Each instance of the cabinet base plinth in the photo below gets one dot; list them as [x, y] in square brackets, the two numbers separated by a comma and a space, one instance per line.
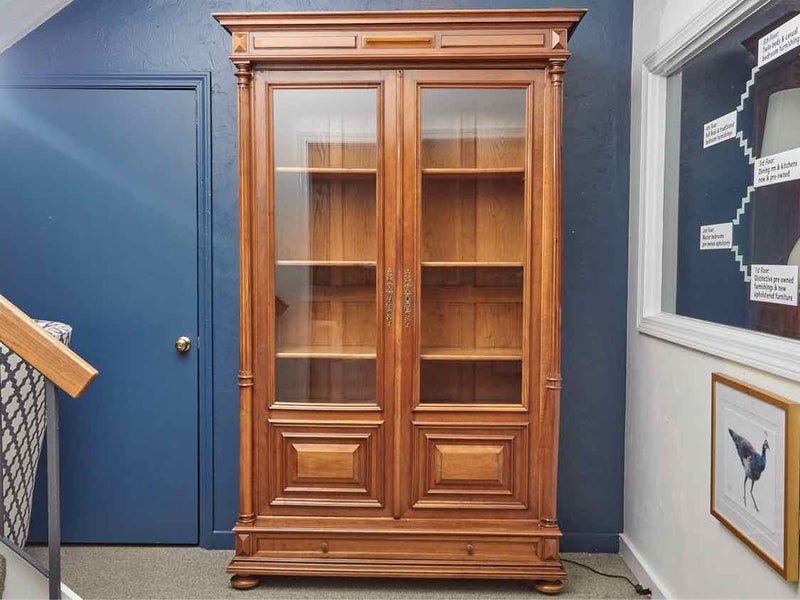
[406, 571]
[244, 582]
[402, 549]
[545, 577]
[549, 587]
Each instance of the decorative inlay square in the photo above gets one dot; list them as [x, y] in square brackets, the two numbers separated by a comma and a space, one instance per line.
[240, 42]
[559, 39]
[243, 544]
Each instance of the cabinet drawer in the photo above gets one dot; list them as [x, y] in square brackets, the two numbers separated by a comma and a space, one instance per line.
[514, 550]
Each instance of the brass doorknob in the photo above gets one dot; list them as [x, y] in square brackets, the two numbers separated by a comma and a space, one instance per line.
[182, 344]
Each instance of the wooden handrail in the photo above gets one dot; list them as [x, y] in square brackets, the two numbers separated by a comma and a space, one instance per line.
[42, 351]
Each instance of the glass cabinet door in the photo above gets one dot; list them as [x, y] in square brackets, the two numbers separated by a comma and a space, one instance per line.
[326, 180]
[472, 252]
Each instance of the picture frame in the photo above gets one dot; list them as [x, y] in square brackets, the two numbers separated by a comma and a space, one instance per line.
[755, 470]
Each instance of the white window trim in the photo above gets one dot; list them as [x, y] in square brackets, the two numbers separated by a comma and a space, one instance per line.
[770, 353]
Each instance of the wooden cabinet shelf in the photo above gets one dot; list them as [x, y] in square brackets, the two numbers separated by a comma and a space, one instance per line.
[467, 354]
[355, 172]
[400, 293]
[472, 219]
[325, 263]
[330, 219]
[433, 264]
[467, 172]
[346, 353]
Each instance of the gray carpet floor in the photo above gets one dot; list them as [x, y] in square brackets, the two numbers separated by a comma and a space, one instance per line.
[184, 572]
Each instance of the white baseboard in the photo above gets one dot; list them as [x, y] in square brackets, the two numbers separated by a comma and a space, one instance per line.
[24, 581]
[642, 569]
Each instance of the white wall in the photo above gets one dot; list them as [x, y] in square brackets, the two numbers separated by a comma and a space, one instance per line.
[667, 454]
[24, 582]
[19, 17]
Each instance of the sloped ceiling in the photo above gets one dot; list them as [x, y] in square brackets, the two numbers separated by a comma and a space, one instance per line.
[19, 17]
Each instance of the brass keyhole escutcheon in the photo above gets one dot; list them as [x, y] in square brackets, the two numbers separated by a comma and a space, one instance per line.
[470, 549]
[324, 547]
[182, 344]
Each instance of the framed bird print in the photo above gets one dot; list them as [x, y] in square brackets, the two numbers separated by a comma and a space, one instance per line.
[755, 470]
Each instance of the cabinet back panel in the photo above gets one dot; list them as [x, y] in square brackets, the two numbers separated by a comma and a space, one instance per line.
[473, 219]
[330, 307]
[472, 308]
[353, 155]
[471, 382]
[321, 380]
[325, 127]
[473, 127]
[320, 218]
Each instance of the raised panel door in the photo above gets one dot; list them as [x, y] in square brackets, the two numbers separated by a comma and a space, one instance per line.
[472, 190]
[324, 301]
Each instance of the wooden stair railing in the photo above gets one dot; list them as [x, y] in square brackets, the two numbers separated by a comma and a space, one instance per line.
[44, 353]
[61, 368]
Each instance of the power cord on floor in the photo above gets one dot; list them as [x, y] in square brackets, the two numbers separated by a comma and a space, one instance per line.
[642, 591]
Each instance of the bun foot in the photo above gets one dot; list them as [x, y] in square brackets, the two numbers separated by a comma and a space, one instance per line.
[549, 587]
[244, 582]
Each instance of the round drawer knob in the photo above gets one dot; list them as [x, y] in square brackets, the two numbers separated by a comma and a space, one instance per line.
[324, 547]
[470, 549]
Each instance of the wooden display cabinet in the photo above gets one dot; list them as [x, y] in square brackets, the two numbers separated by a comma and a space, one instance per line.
[400, 197]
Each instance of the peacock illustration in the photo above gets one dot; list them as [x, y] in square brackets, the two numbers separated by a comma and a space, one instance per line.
[753, 463]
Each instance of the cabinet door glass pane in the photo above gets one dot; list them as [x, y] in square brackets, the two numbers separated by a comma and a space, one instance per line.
[325, 182]
[473, 164]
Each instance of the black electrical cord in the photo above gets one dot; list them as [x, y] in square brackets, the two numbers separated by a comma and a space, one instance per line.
[642, 591]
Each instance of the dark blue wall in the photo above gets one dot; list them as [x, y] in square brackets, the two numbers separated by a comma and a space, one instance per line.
[149, 36]
[712, 183]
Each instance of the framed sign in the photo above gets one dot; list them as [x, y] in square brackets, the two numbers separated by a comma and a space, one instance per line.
[755, 470]
[718, 196]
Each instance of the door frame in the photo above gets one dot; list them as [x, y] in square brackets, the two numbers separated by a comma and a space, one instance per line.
[200, 84]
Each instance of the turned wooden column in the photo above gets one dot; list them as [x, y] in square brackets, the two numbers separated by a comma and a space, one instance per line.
[244, 76]
[551, 295]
